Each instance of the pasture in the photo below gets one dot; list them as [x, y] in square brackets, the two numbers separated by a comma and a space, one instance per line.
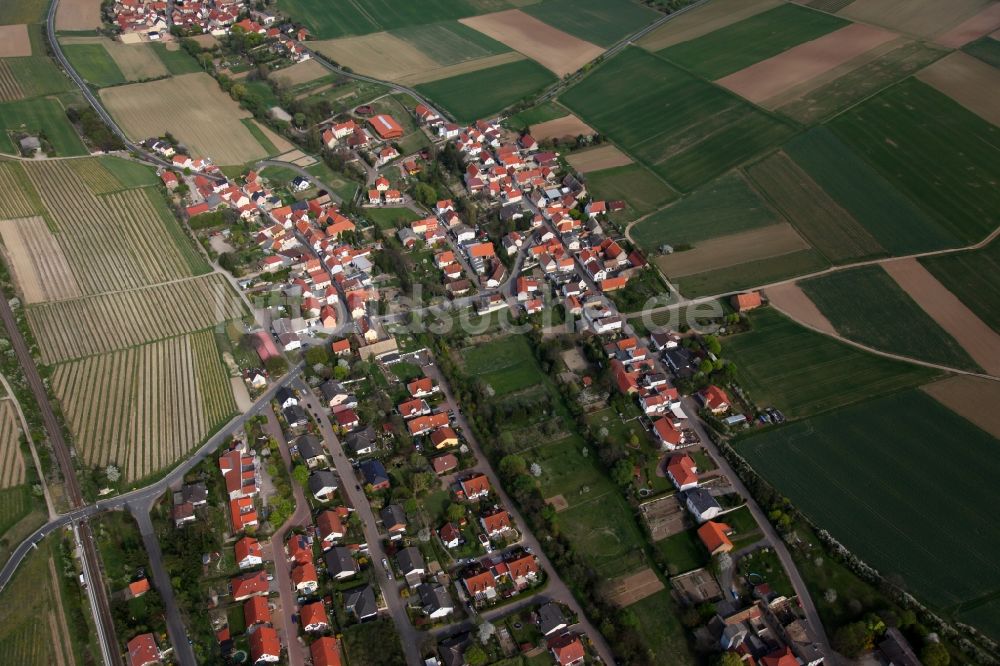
[725, 206]
[639, 187]
[941, 155]
[192, 108]
[751, 274]
[505, 364]
[968, 81]
[971, 276]
[601, 22]
[895, 222]
[143, 408]
[866, 305]
[38, 75]
[828, 227]
[804, 373]
[483, 93]
[756, 38]
[40, 115]
[94, 64]
[846, 85]
[151, 247]
[685, 129]
[390, 218]
[106, 322]
[12, 472]
[881, 477]
[23, 11]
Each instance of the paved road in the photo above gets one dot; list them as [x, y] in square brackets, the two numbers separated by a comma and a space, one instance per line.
[409, 636]
[556, 588]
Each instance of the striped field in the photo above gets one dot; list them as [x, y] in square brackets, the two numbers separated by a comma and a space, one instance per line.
[144, 408]
[10, 89]
[17, 197]
[11, 460]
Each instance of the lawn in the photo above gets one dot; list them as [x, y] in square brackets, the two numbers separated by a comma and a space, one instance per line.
[390, 218]
[657, 623]
[764, 566]
[480, 94]
[505, 364]
[752, 274]
[373, 643]
[804, 373]
[178, 61]
[640, 188]
[745, 528]
[406, 372]
[601, 22]
[971, 276]
[94, 63]
[751, 40]
[278, 175]
[986, 49]
[567, 472]
[896, 223]
[866, 305]
[44, 114]
[684, 128]
[605, 534]
[902, 482]
[683, 551]
[941, 155]
[725, 206]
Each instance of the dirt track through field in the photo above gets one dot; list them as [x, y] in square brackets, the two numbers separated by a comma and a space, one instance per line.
[14, 42]
[561, 127]
[969, 81]
[791, 300]
[707, 18]
[78, 14]
[596, 159]
[973, 398]
[769, 78]
[972, 29]
[629, 589]
[979, 340]
[733, 249]
[554, 49]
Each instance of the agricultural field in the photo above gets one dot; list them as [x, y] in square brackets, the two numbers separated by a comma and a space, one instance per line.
[707, 18]
[972, 398]
[896, 223]
[143, 408]
[39, 115]
[601, 22]
[866, 305]
[107, 322]
[151, 247]
[12, 470]
[734, 250]
[751, 274]
[119, 62]
[506, 364]
[725, 206]
[707, 132]
[828, 227]
[78, 15]
[176, 60]
[35, 76]
[756, 38]
[193, 109]
[572, 127]
[14, 41]
[10, 89]
[24, 11]
[804, 373]
[986, 49]
[857, 80]
[944, 157]
[17, 197]
[479, 94]
[604, 157]
[968, 81]
[881, 476]
[971, 276]
[94, 64]
[640, 188]
[451, 42]
[923, 18]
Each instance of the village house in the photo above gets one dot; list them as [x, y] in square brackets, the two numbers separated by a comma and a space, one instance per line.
[374, 474]
[361, 603]
[566, 649]
[264, 646]
[435, 602]
[701, 504]
[304, 578]
[313, 618]
[340, 563]
[324, 652]
[394, 520]
[715, 536]
[474, 487]
[142, 650]
[256, 612]
[248, 585]
[496, 523]
[249, 553]
[715, 400]
[450, 536]
[330, 528]
[682, 471]
[322, 484]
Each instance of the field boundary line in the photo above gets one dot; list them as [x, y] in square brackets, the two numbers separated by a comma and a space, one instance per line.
[31, 446]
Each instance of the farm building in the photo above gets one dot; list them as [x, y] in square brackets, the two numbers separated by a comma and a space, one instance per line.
[386, 127]
[746, 302]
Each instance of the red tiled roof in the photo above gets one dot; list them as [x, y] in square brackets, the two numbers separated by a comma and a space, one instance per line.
[314, 613]
[263, 642]
[256, 611]
[142, 650]
[324, 652]
[713, 535]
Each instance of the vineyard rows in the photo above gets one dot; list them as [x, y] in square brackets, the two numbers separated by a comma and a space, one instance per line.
[119, 241]
[15, 200]
[98, 179]
[33, 631]
[145, 408]
[104, 323]
[37, 261]
[10, 89]
[11, 460]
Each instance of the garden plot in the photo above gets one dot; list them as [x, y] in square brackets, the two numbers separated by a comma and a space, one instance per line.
[664, 517]
[627, 590]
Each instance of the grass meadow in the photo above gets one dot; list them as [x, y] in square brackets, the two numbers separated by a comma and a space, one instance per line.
[635, 184]
[866, 305]
[178, 61]
[45, 115]
[485, 92]
[901, 481]
[804, 373]
[506, 364]
[94, 63]
[971, 276]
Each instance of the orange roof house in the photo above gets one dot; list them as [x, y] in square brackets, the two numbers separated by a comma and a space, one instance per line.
[475, 486]
[483, 250]
[566, 649]
[445, 463]
[256, 611]
[524, 567]
[324, 652]
[419, 388]
[782, 657]
[496, 523]
[142, 651]
[748, 301]
[386, 127]
[682, 471]
[444, 437]
[248, 585]
[138, 588]
[715, 399]
[715, 536]
[264, 645]
[667, 433]
[312, 617]
[478, 584]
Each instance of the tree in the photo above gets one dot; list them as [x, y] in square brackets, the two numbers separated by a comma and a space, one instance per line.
[318, 355]
[455, 512]
[727, 659]
[621, 473]
[935, 654]
[476, 656]
[852, 640]
[301, 475]
[513, 465]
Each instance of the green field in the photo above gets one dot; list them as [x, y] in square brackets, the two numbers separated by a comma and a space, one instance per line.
[130, 174]
[866, 305]
[601, 22]
[752, 273]
[984, 615]
[43, 114]
[450, 42]
[22, 11]
[725, 206]
[506, 364]
[751, 40]
[390, 218]
[177, 62]
[901, 481]
[327, 19]
[15, 504]
[944, 157]
[804, 373]
[342, 186]
[259, 135]
[643, 190]
[38, 75]
[535, 115]
[685, 129]
[972, 277]
[94, 63]
[683, 551]
[480, 94]
[828, 99]
[656, 622]
[986, 49]
[896, 223]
